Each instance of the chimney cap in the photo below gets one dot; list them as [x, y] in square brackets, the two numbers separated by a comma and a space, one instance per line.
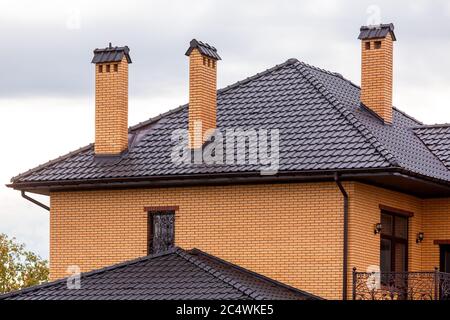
[111, 54]
[377, 31]
[204, 48]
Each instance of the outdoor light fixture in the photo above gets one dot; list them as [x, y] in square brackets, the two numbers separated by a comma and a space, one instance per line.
[377, 228]
[419, 238]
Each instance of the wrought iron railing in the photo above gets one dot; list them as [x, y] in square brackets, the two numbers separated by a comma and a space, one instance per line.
[418, 285]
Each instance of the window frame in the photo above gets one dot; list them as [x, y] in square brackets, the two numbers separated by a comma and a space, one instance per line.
[150, 225]
[394, 240]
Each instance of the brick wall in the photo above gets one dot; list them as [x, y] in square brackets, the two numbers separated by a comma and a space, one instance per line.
[202, 96]
[289, 232]
[376, 76]
[111, 107]
[364, 213]
[436, 226]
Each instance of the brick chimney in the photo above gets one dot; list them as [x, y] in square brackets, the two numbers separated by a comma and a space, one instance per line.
[202, 91]
[377, 44]
[111, 100]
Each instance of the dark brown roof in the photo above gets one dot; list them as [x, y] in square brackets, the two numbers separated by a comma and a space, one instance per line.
[111, 54]
[173, 275]
[204, 49]
[437, 139]
[376, 32]
[323, 128]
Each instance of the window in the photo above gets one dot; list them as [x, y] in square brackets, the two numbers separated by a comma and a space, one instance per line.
[161, 227]
[377, 44]
[394, 243]
[108, 68]
[116, 67]
[100, 68]
[367, 45]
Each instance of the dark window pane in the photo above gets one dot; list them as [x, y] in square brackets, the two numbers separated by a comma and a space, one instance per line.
[446, 262]
[401, 227]
[386, 224]
[385, 257]
[163, 232]
[400, 257]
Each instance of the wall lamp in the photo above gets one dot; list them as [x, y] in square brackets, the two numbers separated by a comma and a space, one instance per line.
[420, 237]
[377, 228]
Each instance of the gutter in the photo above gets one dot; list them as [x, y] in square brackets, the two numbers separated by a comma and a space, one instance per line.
[40, 204]
[195, 179]
[345, 231]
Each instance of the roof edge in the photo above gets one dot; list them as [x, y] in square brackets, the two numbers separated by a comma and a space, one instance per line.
[89, 273]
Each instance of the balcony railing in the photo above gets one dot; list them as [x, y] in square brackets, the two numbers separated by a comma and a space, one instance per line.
[419, 285]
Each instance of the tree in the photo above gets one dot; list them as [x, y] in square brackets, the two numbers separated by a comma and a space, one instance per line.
[19, 268]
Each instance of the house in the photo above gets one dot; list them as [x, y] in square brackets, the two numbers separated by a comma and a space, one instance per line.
[349, 180]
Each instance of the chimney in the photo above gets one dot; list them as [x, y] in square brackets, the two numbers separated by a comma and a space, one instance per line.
[111, 100]
[377, 44]
[202, 91]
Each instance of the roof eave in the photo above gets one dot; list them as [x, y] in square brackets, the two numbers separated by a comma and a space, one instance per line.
[194, 179]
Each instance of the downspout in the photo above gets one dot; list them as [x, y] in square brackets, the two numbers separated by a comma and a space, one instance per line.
[345, 246]
[40, 204]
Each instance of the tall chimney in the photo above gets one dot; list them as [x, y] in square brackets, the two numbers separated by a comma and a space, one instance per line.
[377, 44]
[202, 91]
[111, 100]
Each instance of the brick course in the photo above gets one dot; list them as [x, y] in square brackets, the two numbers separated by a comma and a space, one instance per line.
[111, 108]
[289, 232]
[202, 96]
[277, 230]
[377, 76]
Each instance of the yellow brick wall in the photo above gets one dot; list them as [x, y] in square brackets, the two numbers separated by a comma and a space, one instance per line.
[436, 226]
[364, 213]
[289, 232]
[376, 77]
[202, 95]
[111, 108]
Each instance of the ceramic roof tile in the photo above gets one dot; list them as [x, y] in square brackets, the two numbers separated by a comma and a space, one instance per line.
[173, 275]
[322, 126]
[437, 139]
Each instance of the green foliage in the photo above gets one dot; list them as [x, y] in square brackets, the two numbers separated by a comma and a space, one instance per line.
[19, 268]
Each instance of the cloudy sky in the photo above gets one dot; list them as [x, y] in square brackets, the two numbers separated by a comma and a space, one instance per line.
[47, 81]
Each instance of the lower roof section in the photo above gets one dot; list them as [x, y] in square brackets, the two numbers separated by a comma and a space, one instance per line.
[176, 274]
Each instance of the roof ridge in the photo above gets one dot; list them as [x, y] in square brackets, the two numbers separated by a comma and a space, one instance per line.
[252, 273]
[328, 72]
[347, 114]
[340, 76]
[90, 273]
[407, 115]
[151, 120]
[258, 75]
[417, 134]
[432, 126]
[194, 260]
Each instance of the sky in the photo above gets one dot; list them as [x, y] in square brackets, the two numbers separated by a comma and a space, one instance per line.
[47, 80]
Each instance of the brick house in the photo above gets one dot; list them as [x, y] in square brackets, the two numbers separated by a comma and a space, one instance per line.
[359, 183]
